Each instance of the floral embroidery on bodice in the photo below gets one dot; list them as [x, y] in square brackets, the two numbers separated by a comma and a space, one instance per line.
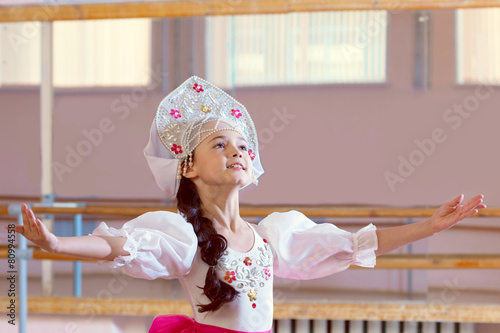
[248, 272]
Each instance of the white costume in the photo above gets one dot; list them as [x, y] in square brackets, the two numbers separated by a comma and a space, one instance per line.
[163, 245]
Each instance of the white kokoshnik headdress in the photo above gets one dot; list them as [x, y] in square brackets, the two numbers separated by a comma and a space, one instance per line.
[187, 116]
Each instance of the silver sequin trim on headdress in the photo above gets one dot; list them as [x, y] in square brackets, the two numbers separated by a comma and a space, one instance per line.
[187, 116]
[183, 117]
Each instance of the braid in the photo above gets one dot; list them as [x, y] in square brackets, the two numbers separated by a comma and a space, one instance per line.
[211, 243]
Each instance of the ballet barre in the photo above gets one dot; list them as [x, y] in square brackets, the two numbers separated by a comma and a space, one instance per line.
[316, 211]
[386, 261]
[185, 8]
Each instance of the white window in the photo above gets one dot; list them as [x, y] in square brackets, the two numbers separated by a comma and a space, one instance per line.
[478, 46]
[297, 48]
[98, 53]
[20, 53]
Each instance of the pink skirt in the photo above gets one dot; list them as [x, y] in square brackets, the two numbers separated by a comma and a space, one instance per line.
[184, 324]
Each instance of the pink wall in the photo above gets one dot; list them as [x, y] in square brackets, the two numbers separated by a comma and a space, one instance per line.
[334, 148]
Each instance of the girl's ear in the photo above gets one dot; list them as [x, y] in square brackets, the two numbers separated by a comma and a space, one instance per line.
[190, 171]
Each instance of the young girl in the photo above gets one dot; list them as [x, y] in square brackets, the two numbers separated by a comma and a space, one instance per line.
[203, 149]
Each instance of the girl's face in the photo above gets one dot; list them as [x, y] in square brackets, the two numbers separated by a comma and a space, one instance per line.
[222, 159]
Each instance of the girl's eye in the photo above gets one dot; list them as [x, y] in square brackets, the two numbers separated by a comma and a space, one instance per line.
[244, 148]
[219, 145]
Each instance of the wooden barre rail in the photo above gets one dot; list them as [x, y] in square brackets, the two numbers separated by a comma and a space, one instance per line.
[40, 254]
[388, 261]
[260, 211]
[433, 312]
[90, 11]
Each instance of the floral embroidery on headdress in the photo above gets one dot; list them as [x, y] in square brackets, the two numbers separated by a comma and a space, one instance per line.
[198, 87]
[176, 149]
[175, 113]
[185, 117]
[205, 109]
[251, 154]
[237, 113]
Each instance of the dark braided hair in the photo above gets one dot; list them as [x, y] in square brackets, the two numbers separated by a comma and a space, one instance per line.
[211, 243]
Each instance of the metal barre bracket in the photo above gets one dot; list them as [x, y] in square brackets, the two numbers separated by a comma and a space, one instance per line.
[14, 209]
[24, 253]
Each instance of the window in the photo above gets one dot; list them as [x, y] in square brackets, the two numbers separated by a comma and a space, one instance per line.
[478, 46]
[20, 52]
[297, 48]
[98, 53]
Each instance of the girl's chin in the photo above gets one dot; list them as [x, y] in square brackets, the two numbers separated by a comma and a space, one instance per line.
[238, 182]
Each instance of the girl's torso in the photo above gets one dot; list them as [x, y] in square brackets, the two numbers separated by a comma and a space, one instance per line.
[250, 273]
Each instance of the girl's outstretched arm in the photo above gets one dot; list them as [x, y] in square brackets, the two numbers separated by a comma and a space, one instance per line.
[90, 247]
[445, 217]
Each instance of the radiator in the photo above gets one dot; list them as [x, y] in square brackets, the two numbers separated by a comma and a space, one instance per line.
[359, 326]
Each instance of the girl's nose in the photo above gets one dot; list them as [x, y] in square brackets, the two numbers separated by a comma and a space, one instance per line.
[234, 149]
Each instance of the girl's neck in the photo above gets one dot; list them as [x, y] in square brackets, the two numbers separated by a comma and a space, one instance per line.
[222, 208]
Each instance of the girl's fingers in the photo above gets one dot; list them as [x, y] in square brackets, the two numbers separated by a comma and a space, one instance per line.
[474, 202]
[25, 217]
[466, 215]
[472, 212]
[33, 221]
[20, 229]
[472, 206]
[30, 225]
[28, 222]
[457, 200]
[39, 226]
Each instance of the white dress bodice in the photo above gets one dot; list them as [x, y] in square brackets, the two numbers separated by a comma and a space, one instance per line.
[163, 245]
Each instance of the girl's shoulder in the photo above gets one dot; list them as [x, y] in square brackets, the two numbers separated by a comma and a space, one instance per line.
[285, 217]
[160, 220]
[163, 214]
[286, 222]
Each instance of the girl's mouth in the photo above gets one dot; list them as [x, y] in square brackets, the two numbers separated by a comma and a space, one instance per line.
[236, 166]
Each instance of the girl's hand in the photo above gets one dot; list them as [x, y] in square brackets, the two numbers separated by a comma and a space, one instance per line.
[453, 212]
[34, 230]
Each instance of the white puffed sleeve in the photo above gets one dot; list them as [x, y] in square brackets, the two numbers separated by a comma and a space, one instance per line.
[161, 244]
[305, 250]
